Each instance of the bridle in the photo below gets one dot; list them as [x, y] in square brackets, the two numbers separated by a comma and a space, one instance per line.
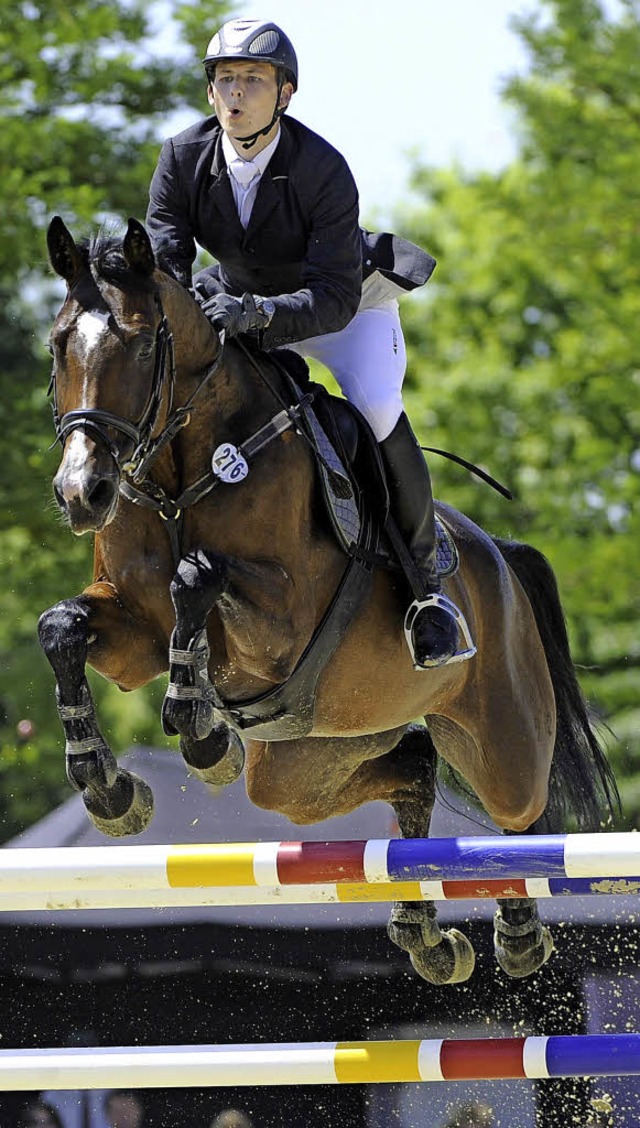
[145, 446]
[138, 489]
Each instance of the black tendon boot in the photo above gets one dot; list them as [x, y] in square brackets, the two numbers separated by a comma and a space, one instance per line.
[431, 629]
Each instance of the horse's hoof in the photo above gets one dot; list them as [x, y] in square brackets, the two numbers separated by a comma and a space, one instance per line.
[125, 808]
[521, 955]
[194, 718]
[452, 960]
[204, 760]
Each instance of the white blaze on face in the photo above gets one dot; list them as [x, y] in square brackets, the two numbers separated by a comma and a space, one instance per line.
[76, 467]
[91, 327]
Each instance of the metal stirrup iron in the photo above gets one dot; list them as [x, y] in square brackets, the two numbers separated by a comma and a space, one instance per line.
[437, 599]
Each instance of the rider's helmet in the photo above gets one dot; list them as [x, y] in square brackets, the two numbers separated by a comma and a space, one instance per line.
[260, 40]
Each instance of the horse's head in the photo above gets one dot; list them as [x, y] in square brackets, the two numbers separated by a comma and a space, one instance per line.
[111, 367]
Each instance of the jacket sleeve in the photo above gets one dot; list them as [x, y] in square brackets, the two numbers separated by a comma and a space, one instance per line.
[168, 217]
[332, 268]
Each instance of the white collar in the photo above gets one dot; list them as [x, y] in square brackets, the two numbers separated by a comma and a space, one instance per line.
[261, 159]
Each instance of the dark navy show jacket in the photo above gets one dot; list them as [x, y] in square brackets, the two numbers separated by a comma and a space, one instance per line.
[303, 246]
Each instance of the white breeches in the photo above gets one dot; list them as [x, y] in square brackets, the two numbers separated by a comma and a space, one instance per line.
[368, 360]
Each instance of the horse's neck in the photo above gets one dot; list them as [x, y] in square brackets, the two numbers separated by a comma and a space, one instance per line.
[232, 398]
[195, 341]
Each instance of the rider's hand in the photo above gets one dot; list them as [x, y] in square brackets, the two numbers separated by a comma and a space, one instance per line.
[235, 315]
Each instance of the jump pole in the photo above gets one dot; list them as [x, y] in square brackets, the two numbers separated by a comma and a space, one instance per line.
[84, 897]
[320, 1063]
[273, 864]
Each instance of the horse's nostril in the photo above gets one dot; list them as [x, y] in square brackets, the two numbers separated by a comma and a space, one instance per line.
[59, 497]
[101, 495]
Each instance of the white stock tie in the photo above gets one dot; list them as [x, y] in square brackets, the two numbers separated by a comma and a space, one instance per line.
[243, 171]
[246, 177]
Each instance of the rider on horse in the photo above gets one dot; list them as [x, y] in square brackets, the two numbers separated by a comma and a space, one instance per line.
[277, 207]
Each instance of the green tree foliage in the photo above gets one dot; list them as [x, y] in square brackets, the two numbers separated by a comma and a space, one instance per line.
[85, 94]
[527, 343]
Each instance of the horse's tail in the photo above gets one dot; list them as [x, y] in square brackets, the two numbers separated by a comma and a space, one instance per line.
[582, 785]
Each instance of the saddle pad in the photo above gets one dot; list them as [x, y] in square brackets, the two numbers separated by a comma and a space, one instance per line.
[447, 559]
[343, 510]
[342, 507]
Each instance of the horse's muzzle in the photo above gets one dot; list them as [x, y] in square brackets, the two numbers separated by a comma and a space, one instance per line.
[88, 500]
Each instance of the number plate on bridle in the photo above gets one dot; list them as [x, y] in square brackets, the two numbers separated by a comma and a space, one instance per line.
[229, 464]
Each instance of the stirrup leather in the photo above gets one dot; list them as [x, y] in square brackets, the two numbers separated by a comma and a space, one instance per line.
[437, 599]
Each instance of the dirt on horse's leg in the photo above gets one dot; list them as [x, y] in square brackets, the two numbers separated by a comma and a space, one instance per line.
[439, 957]
[118, 802]
[521, 941]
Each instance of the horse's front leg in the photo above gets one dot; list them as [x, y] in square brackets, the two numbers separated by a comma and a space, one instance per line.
[117, 801]
[189, 705]
[245, 596]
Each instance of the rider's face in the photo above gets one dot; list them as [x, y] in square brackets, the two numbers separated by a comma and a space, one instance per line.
[243, 95]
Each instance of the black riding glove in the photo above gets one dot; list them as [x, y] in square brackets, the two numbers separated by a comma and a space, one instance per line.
[235, 315]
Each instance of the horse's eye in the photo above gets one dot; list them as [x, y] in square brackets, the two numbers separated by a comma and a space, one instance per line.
[145, 351]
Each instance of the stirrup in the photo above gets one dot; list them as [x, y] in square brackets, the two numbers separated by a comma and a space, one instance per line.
[437, 599]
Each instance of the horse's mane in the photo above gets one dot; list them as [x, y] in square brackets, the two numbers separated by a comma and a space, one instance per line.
[103, 256]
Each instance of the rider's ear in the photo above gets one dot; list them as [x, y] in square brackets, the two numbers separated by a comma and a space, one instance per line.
[137, 248]
[285, 96]
[64, 256]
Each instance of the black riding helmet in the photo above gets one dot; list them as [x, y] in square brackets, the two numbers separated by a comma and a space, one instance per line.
[254, 40]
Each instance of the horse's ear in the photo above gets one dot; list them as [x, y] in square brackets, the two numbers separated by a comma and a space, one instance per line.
[137, 248]
[64, 256]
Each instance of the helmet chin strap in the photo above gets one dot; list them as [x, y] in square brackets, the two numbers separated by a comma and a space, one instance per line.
[249, 141]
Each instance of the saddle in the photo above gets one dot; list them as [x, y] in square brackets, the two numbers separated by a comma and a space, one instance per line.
[351, 473]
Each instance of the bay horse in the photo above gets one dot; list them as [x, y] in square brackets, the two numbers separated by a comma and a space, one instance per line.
[226, 587]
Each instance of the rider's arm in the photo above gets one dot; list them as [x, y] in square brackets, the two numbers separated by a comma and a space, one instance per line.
[168, 220]
[332, 268]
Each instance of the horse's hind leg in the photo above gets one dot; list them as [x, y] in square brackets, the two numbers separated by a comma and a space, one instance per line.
[320, 777]
[439, 957]
[117, 801]
[521, 941]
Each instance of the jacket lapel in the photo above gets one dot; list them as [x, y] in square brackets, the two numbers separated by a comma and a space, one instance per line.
[221, 192]
[269, 194]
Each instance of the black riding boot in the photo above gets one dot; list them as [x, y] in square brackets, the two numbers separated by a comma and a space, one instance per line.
[434, 628]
